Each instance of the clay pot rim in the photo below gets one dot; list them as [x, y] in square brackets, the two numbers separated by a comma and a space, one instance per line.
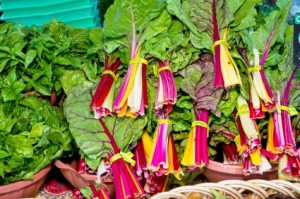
[229, 168]
[25, 183]
[86, 177]
[221, 167]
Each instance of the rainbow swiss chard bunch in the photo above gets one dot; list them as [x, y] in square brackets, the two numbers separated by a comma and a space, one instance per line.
[198, 83]
[125, 22]
[163, 158]
[213, 25]
[126, 183]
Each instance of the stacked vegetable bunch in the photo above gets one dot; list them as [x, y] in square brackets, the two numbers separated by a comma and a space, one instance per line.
[38, 66]
[180, 80]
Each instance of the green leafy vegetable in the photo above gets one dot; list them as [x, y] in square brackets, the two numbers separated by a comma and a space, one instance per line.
[87, 131]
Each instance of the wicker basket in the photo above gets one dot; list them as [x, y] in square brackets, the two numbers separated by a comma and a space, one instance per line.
[234, 189]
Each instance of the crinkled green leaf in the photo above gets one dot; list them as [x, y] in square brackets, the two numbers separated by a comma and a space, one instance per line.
[184, 102]
[192, 76]
[198, 83]
[162, 45]
[117, 21]
[181, 9]
[244, 13]
[275, 22]
[228, 103]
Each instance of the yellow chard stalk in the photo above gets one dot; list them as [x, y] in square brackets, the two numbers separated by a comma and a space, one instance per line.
[229, 68]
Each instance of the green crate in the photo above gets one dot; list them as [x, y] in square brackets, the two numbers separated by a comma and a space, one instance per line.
[70, 15]
[43, 10]
[17, 4]
[88, 22]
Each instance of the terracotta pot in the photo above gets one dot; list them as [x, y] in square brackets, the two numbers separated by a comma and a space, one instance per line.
[25, 188]
[79, 180]
[217, 171]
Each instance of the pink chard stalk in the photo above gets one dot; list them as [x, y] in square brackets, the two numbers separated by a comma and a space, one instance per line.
[196, 151]
[156, 184]
[164, 158]
[159, 156]
[290, 162]
[132, 98]
[141, 165]
[102, 100]
[166, 94]
[125, 181]
[218, 80]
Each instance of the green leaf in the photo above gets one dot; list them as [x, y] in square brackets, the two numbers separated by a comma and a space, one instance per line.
[95, 35]
[30, 55]
[227, 104]
[3, 64]
[37, 130]
[182, 12]
[275, 22]
[31, 102]
[118, 18]
[184, 102]
[3, 154]
[192, 76]
[42, 89]
[70, 79]
[156, 26]
[244, 16]
[2, 169]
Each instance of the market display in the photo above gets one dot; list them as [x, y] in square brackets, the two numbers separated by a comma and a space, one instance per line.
[154, 95]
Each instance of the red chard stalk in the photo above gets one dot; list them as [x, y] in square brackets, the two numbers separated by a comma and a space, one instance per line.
[231, 153]
[102, 99]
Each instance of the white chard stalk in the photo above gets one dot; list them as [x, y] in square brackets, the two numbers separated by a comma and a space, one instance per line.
[257, 80]
[247, 123]
[135, 96]
[254, 97]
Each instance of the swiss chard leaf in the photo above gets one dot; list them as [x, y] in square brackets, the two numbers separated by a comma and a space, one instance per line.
[200, 87]
[89, 134]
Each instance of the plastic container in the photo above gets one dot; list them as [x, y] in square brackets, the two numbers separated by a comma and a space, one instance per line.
[88, 22]
[15, 4]
[70, 15]
[44, 10]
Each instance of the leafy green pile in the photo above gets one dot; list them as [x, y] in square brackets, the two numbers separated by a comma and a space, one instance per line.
[47, 59]
[34, 64]
[32, 134]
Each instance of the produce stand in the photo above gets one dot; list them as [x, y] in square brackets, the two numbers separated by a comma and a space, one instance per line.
[200, 99]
